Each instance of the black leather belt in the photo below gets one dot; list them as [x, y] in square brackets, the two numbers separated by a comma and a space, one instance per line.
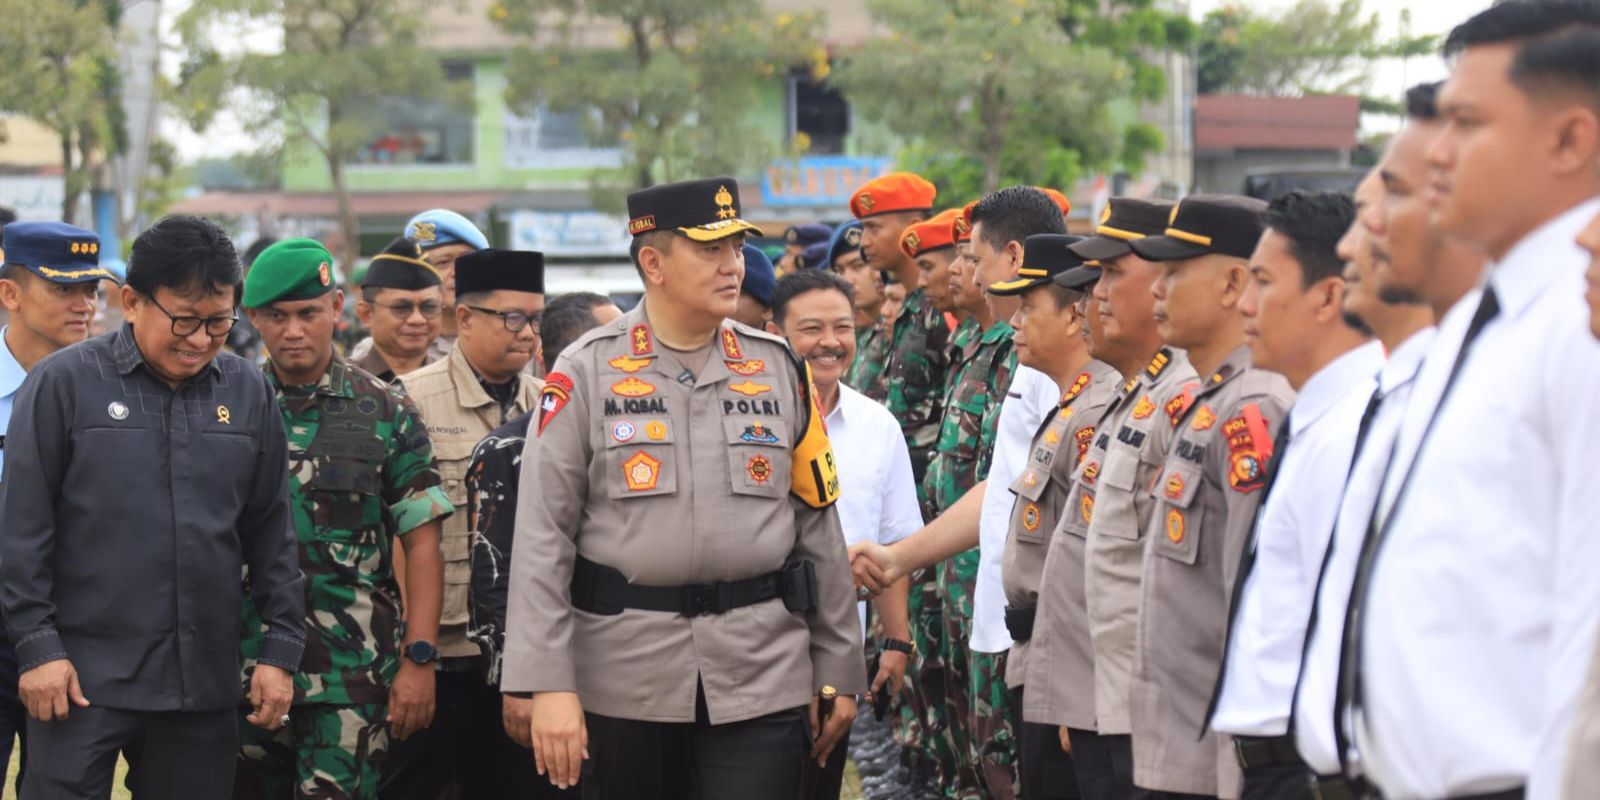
[599, 589]
[1338, 787]
[1019, 622]
[1518, 793]
[1257, 752]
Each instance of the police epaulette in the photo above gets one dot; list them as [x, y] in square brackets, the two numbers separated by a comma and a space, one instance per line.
[1158, 364]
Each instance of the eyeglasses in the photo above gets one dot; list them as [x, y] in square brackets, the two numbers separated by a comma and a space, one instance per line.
[187, 325]
[515, 320]
[430, 310]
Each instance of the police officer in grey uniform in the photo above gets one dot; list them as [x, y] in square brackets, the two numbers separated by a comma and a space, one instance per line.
[680, 590]
[1206, 493]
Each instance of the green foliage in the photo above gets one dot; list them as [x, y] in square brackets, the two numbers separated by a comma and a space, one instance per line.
[61, 72]
[673, 85]
[1022, 88]
[1314, 46]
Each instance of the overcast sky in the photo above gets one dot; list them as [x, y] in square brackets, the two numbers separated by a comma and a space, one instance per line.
[1390, 78]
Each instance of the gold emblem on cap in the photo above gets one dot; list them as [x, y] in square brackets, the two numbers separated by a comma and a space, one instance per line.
[866, 201]
[425, 232]
[324, 274]
[852, 237]
[914, 242]
[963, 227]
[1105, 213]
[724, 201]
[75, 247]
[224, 416]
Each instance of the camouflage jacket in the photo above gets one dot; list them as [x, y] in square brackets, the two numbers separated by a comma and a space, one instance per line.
[359, 480]
[492, 477]
[917, 370]
[978, 384]
[869, 371]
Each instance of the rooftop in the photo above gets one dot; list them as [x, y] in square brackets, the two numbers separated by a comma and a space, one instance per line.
[1240, 122]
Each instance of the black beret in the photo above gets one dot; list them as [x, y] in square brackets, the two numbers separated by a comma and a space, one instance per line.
[490, 270]
[400, 266]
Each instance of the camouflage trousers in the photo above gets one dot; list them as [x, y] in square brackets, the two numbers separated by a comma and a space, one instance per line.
[326, 752]
[977, 704]
[922, 727]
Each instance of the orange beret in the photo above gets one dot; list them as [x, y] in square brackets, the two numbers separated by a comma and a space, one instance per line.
[892, 193]
[1061, 199]
[930, 234]
[961, 227]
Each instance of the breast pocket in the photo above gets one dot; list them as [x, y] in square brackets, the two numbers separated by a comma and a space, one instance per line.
[641, 459]
[759, 460]
[347, 497]
[1027, 516]
[1181, 518]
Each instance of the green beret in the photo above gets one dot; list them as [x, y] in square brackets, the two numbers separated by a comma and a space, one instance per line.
[293, 269]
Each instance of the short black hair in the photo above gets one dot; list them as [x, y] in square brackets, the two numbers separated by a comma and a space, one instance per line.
[1422, 101]
[567, 317]
[1014, 213]
[1555, 42]
[807, 280]
[660, 240]
[1313, 222]
[15, 273]
[187, 254]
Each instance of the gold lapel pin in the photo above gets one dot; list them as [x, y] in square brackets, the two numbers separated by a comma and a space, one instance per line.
[223, 416]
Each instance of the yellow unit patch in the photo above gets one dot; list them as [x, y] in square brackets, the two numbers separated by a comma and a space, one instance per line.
[641, 472]
[1175, 526]
[1030, 518]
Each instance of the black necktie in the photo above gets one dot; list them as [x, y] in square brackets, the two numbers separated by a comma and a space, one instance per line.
[1350, 690]
[1247, 562]
[1373, 404]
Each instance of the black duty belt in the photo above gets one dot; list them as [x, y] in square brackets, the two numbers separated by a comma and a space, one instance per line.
[1518, 793]
[1338, 787]
[1019, 622]
[599, 589]
[1258, 752]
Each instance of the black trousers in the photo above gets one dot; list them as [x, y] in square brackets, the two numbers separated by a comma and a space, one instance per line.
[1120, 748]
[759, 758]
[465, 753]
[1281, 782]
[173, 755]
[1044, 770]
[1097, 775]
[13, 717]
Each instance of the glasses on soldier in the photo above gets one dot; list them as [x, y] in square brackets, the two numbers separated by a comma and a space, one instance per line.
[430, 310]
[187, 325]
[515, 320]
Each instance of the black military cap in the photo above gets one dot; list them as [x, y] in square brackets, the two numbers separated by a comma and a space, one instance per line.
[704, 210]
[400, 266]
[1123, 220]
[1044, 256]
[1079, 278]
[1226, 225]
[490, 270]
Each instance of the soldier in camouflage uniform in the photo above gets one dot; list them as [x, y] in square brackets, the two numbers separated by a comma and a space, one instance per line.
[867, 373]
[361, 474]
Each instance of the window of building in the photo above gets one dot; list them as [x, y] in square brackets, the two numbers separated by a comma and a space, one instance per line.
[819, 116]
[547, 139]
[418, 131]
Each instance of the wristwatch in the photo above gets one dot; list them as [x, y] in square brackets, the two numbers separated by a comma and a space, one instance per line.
[899, 645]
[422, 652]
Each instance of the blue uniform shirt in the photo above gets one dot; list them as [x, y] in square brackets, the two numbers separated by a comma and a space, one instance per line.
[11, 376]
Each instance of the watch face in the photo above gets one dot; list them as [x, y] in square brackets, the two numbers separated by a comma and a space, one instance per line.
[421, 652]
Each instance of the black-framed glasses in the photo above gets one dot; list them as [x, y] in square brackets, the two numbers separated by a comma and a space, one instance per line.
[187, 325]
[429, 309]
[515, 320]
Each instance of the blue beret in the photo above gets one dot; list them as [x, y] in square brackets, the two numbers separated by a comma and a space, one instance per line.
[438, 227]
[55, 251]
[760, 279]
[808, 234]
[814, 256]
[845, 239]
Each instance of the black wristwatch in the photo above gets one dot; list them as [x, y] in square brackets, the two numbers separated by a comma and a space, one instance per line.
[899, 645]
[422, 652]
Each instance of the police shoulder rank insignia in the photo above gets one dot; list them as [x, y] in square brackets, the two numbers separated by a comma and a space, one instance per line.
[758, 434]
[641, 471]
[759, 470]
[633, 387]
[1077, 386]
[750, 388]
[643, 345]
[747, 368]
[628, 364]
[557, 391]
[1204, 419]
[1249, 447]
[1175, 526]
[730, 345]
[1030, 518]
[1158, 364]
[1144, 408]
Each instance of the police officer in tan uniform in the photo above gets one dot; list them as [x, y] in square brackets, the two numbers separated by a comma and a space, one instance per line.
[462, 398]
[1108, 508]
[1206, 493]
[1049, 337]
[680, 590]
